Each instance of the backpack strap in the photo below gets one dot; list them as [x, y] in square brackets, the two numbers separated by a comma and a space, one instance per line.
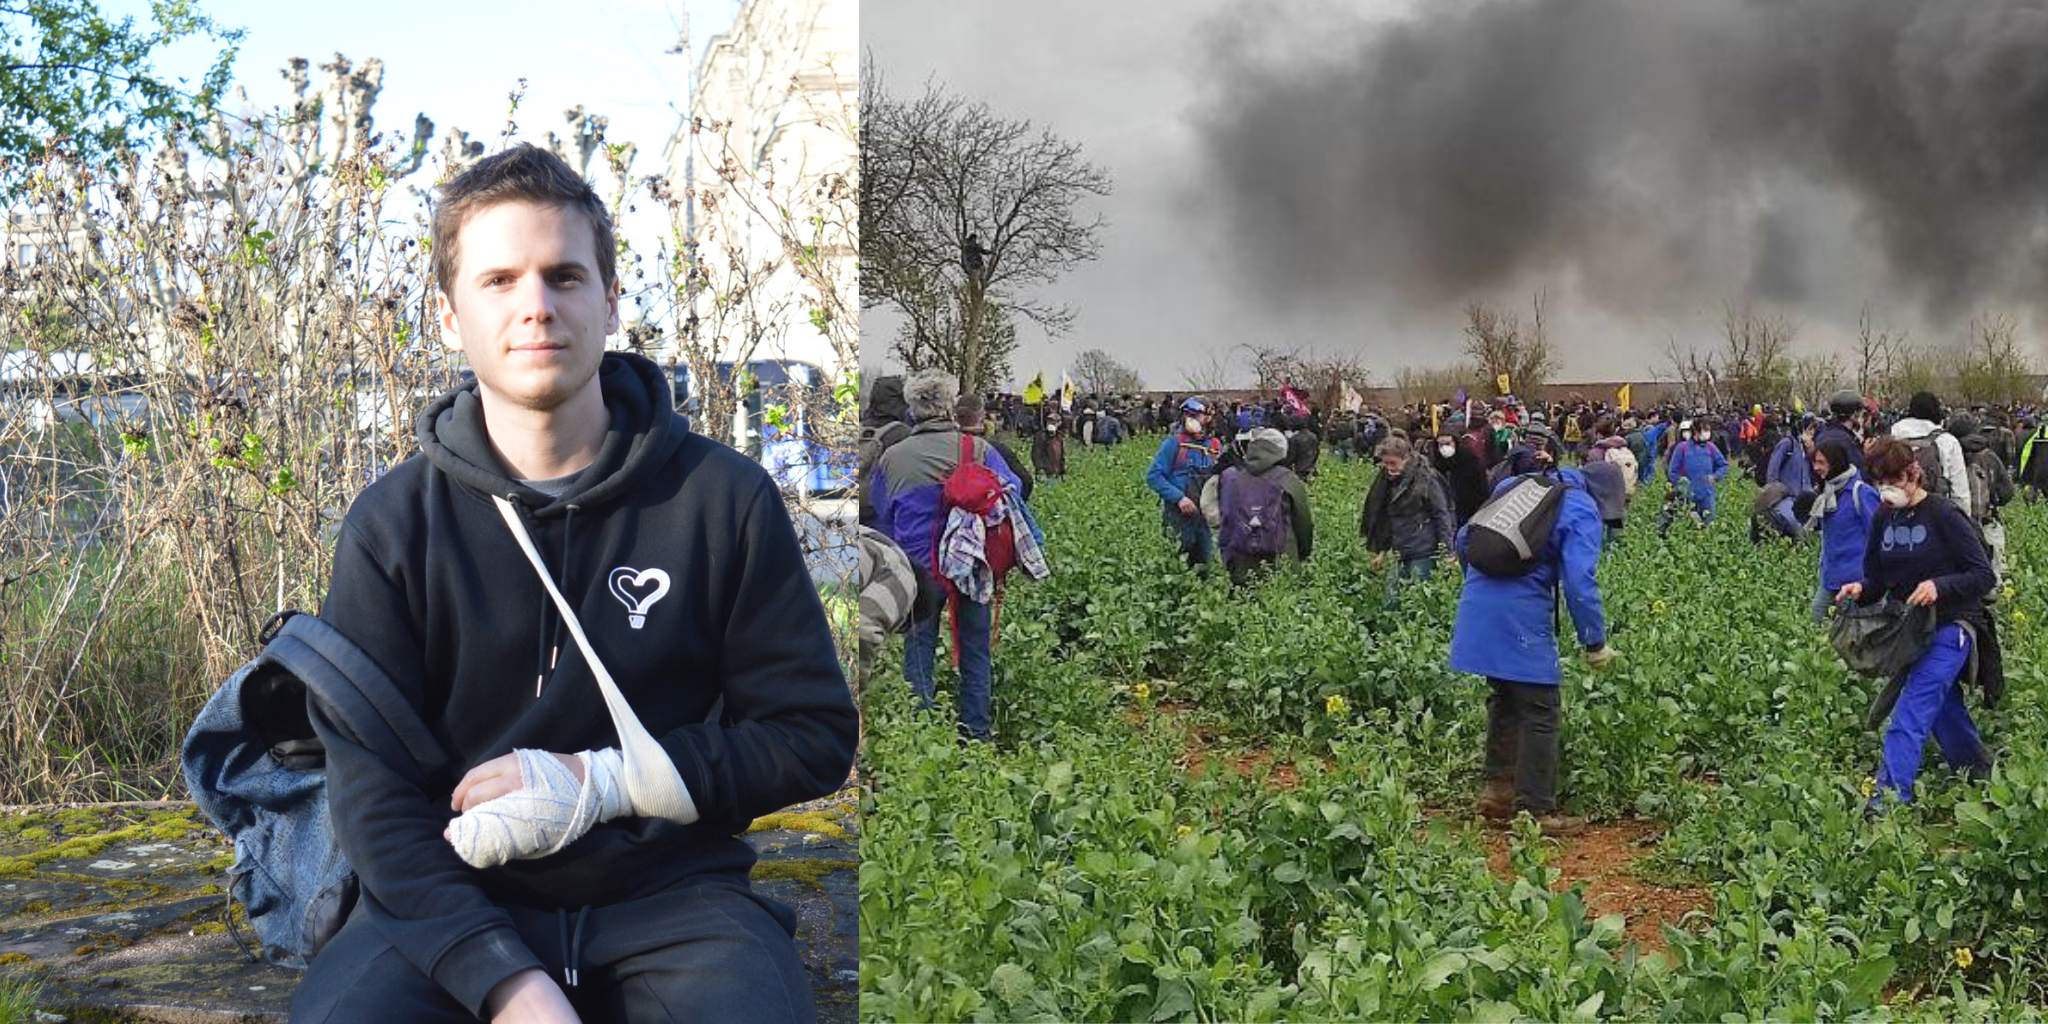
[350, 682]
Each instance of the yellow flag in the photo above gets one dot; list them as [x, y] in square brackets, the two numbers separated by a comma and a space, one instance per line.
[1502, 380]
[1067, 392]
[1436, 413]
[1034, 392]
[1622, 397]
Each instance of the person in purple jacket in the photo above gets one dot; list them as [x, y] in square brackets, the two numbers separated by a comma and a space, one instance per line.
[1925, 551]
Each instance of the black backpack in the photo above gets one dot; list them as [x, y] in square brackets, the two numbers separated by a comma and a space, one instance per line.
[1928, 454]
[1510, 534]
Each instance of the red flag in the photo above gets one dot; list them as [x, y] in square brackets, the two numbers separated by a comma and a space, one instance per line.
[1291, 398]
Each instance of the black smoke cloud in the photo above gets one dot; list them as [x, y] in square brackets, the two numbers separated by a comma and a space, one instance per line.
[1643, 154]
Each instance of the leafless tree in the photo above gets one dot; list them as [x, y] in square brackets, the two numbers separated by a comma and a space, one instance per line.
[944, 170]
[1695, 373]
[1755, 364]
[1995, 369]
[1498, 343]
[1272, 366]
[1812, 377]
[1877, 350]
[1098, 372]
[1210, 374]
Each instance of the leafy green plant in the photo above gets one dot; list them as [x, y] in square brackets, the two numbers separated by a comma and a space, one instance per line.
[1248, 803]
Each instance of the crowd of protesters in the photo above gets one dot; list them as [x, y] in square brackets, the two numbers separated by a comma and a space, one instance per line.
[1903, 505]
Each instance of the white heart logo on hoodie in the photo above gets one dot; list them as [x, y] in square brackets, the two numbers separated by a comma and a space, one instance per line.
[630, 585]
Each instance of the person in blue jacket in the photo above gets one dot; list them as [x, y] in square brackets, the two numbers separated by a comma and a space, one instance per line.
[1842, 514]
[1697, 462]
[1185, 460]
[1653, 440]
[1791, 462]
[1505, 631]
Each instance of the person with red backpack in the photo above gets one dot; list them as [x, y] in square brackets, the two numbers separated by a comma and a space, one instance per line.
[915, 488]
[1185, 460]
[1259, 507]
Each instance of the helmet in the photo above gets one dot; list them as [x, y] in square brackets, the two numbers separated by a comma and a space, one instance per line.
[1845, 403]
[1194, 406]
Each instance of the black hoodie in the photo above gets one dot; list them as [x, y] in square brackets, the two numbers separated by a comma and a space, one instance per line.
[429, 581]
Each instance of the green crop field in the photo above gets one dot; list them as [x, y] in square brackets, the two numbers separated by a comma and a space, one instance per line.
[1255, 805]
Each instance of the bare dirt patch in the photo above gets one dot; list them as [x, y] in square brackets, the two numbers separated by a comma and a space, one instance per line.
[1604, 860]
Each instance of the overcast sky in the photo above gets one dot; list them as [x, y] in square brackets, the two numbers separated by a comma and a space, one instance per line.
[1344, 175]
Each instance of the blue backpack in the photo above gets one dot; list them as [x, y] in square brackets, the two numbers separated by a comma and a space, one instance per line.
[255, 766]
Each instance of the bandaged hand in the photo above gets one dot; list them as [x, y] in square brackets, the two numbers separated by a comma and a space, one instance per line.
[550, 809]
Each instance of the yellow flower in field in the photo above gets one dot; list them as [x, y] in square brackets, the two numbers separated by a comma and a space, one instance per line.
[1659, 607]
[1336, 706]
[1183, 831]
[2008, 591]
[1143, 691]
[1963, 957]
[1868, 787]
[2019, 618]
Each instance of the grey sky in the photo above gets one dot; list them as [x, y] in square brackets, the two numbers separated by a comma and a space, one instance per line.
[1271, 187]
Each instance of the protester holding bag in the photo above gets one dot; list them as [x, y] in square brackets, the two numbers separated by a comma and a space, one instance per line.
[1925, 551]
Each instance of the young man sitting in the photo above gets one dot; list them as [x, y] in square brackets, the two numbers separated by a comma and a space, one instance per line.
[679, 561]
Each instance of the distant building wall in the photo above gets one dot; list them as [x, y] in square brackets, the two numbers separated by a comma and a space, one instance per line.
[781, 65]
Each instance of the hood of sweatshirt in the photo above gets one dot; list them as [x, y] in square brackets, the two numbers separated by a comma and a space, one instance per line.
[1912, 429]
[645, 432]
[1264, 449]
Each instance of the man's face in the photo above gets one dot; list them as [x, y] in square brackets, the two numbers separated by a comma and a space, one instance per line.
[527, 305]
[1394, 465]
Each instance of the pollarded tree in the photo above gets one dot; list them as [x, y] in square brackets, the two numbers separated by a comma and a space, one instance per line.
[967, 205]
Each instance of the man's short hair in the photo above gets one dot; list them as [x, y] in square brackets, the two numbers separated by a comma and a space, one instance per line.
[524, 173]
[969, 409]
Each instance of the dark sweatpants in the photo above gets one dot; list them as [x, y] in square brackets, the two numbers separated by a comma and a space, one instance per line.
[708, 952]
[1521, 741]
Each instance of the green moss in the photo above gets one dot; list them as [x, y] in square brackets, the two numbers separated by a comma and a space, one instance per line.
[93, 846]
[210, 889]
[218, 864]
[15, 866]
[209, 928]
[16, 958]
[78, 819]
[808, 870]
[35, 835]
[16, 824]
[35, 906]
[808, 821]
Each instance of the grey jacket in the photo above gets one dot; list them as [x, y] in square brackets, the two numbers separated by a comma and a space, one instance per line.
[1409, 514]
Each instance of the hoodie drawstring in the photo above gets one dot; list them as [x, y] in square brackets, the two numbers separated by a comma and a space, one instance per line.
[551, 625]
[572, 944]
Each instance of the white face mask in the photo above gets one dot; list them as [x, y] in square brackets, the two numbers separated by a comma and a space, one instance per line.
[1191, 424]
[1893, 496]
[1446, 450]
[1702, 437]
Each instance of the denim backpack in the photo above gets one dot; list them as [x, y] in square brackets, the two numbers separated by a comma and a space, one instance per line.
[254, 765]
